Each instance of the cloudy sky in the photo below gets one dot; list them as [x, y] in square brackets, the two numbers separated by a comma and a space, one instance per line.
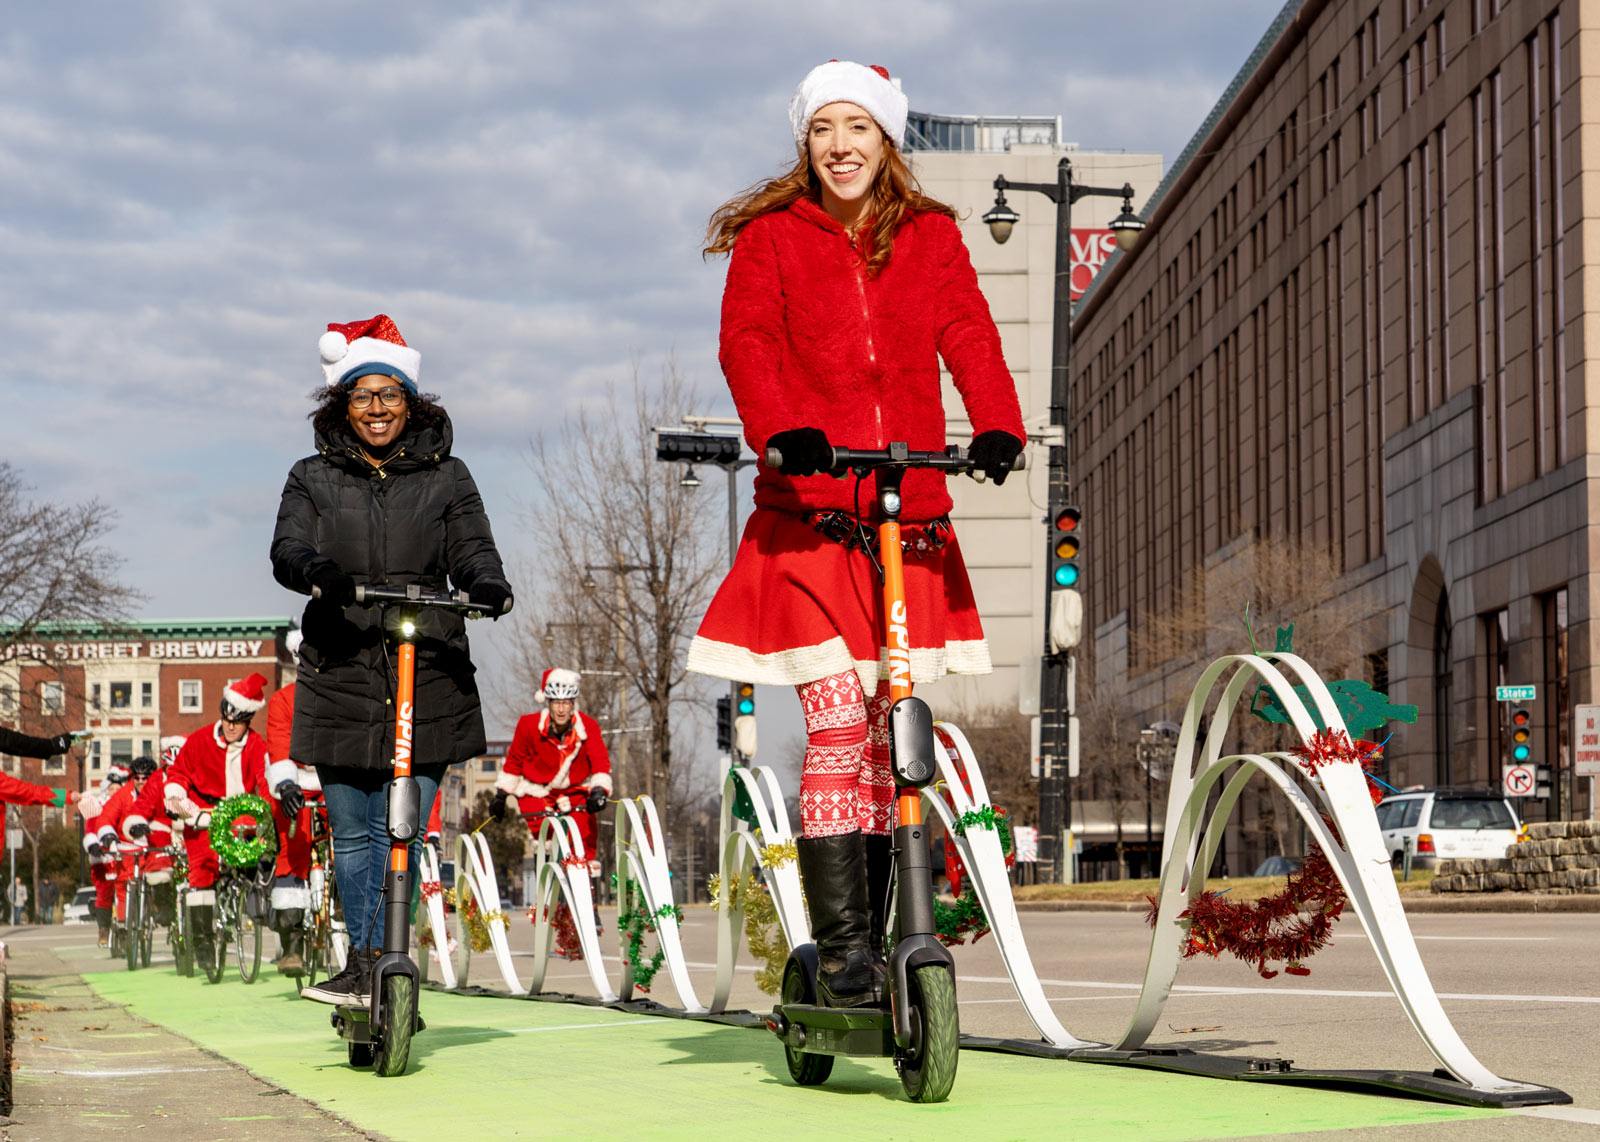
[193, 190]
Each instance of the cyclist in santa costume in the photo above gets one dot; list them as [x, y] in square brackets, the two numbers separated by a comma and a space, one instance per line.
[103, 861]
[845, 288]
[557, 761]
[221, 760]
[295, 789]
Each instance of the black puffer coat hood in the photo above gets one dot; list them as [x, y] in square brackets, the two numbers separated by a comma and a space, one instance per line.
[416, 519]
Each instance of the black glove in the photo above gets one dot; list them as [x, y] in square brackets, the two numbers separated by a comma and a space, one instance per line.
[497, 807]
[597, 800]
[291, 797]
[95, 849]
[992, 453]
[494, 596]
[138, 829]
[805, 451]
[62, 743]
[330, 584]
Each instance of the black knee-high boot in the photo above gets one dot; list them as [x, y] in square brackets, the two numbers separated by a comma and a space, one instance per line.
[202, 917]
[833, 871]
[292, 936]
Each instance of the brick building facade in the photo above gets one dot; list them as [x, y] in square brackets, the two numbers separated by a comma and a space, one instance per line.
[1358, 321]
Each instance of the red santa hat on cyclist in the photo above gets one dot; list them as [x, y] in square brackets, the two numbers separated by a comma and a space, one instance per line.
[244, 697]
[362, 348]
[558, 683]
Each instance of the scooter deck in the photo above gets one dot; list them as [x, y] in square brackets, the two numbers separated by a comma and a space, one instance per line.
[353, 1023]
[863, 1031]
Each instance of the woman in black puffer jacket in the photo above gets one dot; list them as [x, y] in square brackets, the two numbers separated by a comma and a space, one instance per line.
[384, 503]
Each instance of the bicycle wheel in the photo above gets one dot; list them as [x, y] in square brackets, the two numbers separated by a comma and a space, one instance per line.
[247, 934]
[147, 933]
[135, 924]
[400, 1009]
[316, 941]
[214, 957]
[805, 1069]
[180, 936]
[928, 1066]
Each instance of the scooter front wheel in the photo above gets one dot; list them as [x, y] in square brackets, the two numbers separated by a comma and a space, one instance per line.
[928, 1066]
[400, 1011]
[359, 1054]
[799, 986]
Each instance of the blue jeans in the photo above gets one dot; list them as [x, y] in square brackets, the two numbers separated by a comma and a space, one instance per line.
[358, 808]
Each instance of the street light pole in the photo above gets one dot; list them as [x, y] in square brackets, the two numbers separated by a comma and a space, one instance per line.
[1058, 673]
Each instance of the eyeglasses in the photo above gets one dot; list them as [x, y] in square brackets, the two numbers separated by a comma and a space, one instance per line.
[391, 397]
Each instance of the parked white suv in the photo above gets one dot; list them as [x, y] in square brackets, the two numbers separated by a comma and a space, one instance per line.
[1445, 824]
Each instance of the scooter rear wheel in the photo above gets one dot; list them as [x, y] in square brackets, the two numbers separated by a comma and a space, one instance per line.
[805, 1069]
[928, 1067]
[359, 1054]
[400, 1009]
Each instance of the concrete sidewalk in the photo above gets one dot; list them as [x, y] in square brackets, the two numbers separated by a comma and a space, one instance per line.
[86, 1068]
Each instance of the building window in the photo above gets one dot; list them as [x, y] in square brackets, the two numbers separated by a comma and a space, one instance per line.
[189, 696]
[147, 695]
[486, 765]
[94, 756]
[121, 695]
[1558, 707]
[52, 699]
[54, 765]
[8, 699]
[8, 763]
[1497, 652]
[121, 751]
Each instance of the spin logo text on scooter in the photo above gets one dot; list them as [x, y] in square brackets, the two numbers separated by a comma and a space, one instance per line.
[403, 733]
[899, 646]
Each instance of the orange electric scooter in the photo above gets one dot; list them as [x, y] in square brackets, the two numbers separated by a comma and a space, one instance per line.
[920, 1030]
[379, 1035]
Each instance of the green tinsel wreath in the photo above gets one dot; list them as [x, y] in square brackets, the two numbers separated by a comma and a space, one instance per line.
[240, 852]
[635, 924]
[952, 923]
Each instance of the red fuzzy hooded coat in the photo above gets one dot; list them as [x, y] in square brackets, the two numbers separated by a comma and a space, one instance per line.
[810, 340]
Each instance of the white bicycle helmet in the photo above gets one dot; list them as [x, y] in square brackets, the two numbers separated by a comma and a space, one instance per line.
[558, 684]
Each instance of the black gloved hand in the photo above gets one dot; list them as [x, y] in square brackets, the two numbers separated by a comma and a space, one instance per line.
[138, 829]
[597, 800]
[497, 807]
[992, 453]
[494, 596]
[62, 743]
[330, 584]
[805, 451]
[291, 797]
[95, 849]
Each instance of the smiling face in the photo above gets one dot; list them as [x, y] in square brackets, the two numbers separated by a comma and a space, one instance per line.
[846, 146]
[379, 424]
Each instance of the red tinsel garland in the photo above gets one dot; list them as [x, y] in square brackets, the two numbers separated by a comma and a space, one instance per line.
[430, 889]
[1292, 925]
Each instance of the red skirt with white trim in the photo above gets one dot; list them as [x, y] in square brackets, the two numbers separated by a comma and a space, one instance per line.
[798, 606]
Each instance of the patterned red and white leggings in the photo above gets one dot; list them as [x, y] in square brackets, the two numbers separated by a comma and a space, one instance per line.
[845, 783]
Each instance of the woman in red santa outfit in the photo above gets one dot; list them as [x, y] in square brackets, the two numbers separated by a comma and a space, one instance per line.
[222, 760]
[557, 761]
[845, 287]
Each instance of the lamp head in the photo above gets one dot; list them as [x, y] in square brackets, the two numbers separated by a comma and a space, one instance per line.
[1001, 218]
[1127, 226]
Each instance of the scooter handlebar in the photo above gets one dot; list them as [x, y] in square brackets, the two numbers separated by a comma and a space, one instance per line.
[953, 459]
[450, 601]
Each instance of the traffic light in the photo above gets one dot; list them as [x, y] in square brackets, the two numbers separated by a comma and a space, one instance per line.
[1521, 733]
[725, 724]
[697, 447]
[744, 718]
[1065, 546]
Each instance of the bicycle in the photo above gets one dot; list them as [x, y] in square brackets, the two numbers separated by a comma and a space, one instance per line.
[237, 890]
[139, 921]
[326, 940]
[379, 1035]
[180, 937]
[921, 1029]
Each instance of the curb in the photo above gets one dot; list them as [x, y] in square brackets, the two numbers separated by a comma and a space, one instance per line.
[1442, 902]
[7, 1034]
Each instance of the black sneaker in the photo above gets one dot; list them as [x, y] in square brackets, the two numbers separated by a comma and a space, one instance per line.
[350, 986]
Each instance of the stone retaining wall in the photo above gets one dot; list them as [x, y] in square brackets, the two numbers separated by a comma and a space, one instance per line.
[1558, 857]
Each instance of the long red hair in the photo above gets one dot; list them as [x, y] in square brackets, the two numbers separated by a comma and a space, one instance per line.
[895, 195]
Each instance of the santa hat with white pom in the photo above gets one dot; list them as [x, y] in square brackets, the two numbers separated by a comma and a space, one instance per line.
[362, 348]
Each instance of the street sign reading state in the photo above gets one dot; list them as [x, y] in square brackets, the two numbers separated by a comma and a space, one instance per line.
[1515, 693]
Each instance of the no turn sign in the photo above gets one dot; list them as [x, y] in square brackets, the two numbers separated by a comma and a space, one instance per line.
[1518, 780]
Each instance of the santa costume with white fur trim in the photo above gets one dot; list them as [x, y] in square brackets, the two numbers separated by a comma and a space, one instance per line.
[550, 768]
[208, 769]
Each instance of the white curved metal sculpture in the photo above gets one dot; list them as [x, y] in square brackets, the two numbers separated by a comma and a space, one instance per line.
[476, 887]
[985, 862]
[742, 848]
[642, 864]
[561, 865]
[1355, 850]
[433, 899]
